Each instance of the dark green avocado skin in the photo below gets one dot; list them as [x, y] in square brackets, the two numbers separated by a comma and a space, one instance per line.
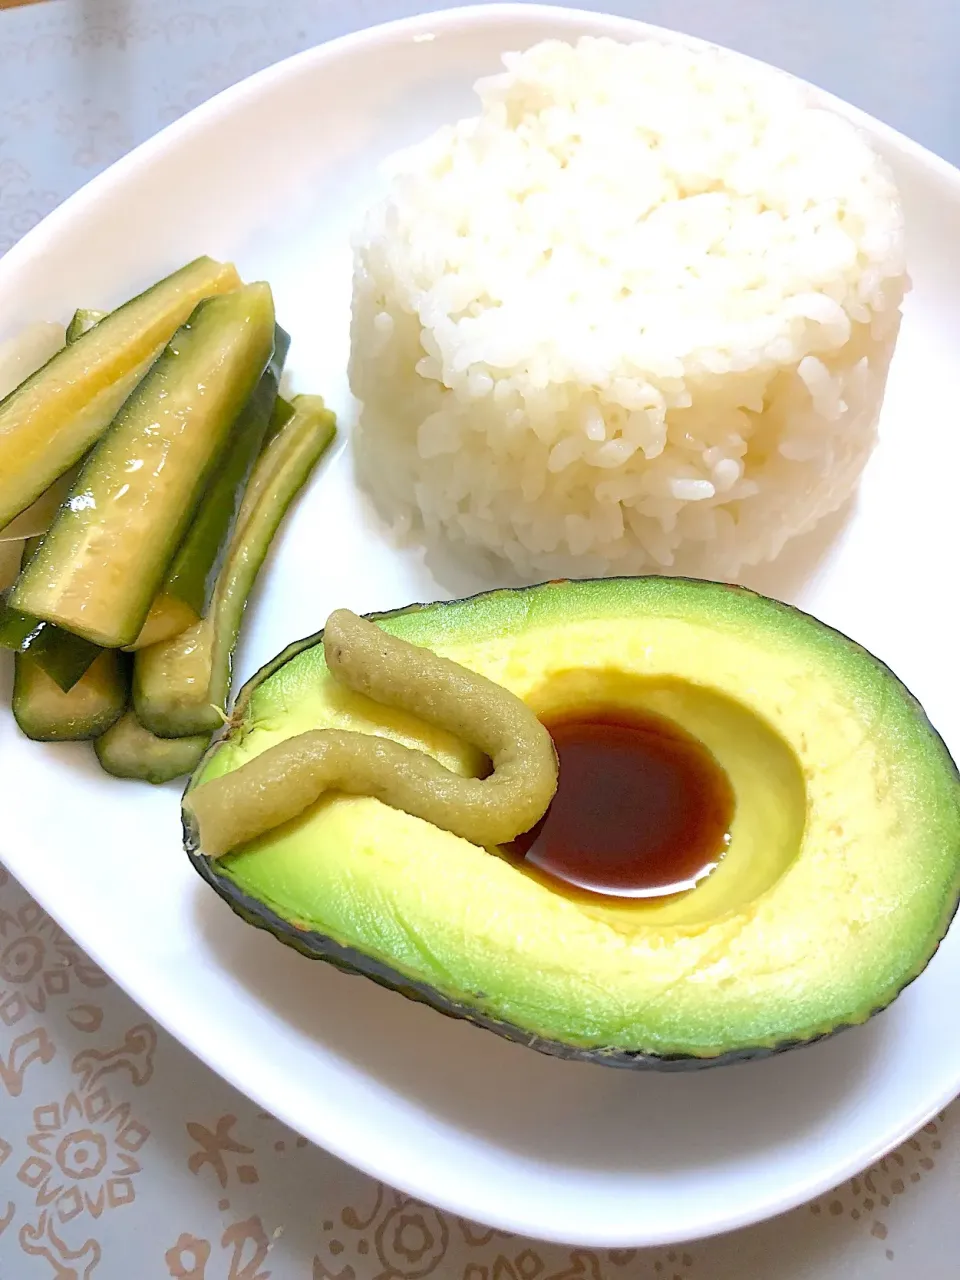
[318, 946]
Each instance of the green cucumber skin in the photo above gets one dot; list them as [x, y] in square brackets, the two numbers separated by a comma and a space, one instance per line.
[193, 573]
[283, 411]
[94, 703]
[19, 490]
[170, 710]
[128, 750]
[62, 655]
[82, 321]
[93, 528]
[299, 446]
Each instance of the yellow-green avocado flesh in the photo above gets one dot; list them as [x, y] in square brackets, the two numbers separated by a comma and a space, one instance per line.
[841, 877]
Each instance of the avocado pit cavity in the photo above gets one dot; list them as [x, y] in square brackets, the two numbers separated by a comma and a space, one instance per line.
[288, 778]
[643, 809]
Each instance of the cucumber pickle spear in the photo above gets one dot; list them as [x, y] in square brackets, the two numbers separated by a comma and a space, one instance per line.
[64, 657]
[82, 322]
[189, 582]
[282, 413]
[102, 561]
[181, 687]
[127, 750]
[47, 714]
[55, 415]
[39, 516]
[168, 616]
[193, 574]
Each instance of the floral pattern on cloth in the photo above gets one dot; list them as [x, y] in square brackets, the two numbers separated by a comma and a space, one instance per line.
[121, 1157]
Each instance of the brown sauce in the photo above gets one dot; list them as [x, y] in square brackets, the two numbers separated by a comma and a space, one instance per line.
[642, 809]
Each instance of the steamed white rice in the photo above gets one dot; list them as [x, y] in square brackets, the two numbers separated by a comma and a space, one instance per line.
[635, 316]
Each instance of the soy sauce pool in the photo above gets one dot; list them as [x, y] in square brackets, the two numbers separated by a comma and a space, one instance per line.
[642, 809]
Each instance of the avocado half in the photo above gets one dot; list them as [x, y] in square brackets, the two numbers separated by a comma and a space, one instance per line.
[841, 876]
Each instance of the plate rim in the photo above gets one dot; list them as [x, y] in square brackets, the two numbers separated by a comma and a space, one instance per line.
[31, 247]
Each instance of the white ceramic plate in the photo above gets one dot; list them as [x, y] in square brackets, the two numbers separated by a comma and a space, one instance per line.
[272, 174]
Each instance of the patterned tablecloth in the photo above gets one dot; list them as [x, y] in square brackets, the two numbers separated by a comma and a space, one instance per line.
[121, 1157]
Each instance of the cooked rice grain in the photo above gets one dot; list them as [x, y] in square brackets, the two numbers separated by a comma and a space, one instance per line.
[634, 317]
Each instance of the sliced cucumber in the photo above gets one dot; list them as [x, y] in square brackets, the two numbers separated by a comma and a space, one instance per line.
[47, 714]
[189, 582]
[194, 570]
[27, 351]
[168, 616]
[63, 656]
[82, 322]
[55, 415]
[128, 750]
[39, 516]
[282, 413]
[181, 687]
[103, 559]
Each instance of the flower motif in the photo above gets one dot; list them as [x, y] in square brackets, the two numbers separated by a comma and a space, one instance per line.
[583, 1262]
[28, 1047]
[134, 1056]
[579, 1264]
[867, 1197]
[38, 961]
[40, 1239]
[411, 1241]
[352, 1218]
[85, 1017]
[475, 1235]
[527, 1265]
[213, 1144]
[84, 1153]
[411, 1237]
[245, 1243]
[188, 1258]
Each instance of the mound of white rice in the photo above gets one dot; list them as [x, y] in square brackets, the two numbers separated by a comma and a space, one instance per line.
[636, 316]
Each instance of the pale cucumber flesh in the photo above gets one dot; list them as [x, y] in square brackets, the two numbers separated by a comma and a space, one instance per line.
[50, 421]
[182, 687]
[101, 563]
